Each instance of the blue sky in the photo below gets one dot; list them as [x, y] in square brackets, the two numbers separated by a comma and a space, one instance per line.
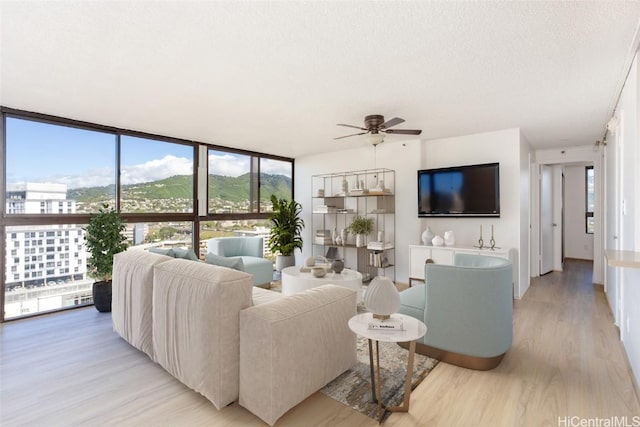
[40, 152]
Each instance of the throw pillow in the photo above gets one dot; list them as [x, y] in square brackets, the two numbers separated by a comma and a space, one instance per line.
[235, 263]
[185, 254]
[163, 251]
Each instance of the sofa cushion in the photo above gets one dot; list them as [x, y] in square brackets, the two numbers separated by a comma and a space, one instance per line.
[222, 261]
[185, 254]
[292, 347]
[163, 251]
[196, 335]
[132, 296]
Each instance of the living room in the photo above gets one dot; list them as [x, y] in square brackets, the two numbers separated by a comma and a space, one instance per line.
[48, 69]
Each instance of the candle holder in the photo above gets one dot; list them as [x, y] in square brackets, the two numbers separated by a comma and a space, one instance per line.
[480, 241]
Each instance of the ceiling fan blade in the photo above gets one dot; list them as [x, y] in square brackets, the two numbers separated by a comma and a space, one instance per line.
[352, 126]
[392, 122]
[403, 131]
[347, 136]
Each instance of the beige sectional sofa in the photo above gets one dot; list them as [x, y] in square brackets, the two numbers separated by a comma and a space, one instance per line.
[228, 340]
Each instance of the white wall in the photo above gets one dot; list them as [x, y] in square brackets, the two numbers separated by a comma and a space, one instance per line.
[577, 243]
[624, 293]
[502, 146]
[406, 158]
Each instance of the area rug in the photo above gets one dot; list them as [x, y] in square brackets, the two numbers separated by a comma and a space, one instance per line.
[353, 388]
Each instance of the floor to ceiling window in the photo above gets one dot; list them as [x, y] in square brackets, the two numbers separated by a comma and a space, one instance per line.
[57, 172]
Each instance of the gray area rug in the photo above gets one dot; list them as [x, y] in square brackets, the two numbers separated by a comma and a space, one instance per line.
[353, 387]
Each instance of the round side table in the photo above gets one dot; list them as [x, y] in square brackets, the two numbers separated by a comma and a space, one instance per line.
[413, 330]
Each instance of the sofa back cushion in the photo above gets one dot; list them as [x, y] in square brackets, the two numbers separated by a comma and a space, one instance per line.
[196, 334]
[132, 295]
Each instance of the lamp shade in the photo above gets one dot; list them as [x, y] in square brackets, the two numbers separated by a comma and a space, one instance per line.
[382, 297]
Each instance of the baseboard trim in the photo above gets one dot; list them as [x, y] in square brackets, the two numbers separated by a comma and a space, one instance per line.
[452, 358]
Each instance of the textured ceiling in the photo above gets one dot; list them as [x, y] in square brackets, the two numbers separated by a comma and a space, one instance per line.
[276, 77]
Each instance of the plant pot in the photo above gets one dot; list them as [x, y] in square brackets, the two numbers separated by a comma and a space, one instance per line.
[360, 241]
[102, 296]
[284, 261]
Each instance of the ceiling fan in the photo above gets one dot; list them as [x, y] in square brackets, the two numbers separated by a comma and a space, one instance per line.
[377, 128]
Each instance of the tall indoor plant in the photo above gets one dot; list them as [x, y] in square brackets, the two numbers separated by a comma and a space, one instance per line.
[104, 237]
[286, 229]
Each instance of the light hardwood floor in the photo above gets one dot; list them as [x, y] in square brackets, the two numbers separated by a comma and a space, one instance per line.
[566, 360]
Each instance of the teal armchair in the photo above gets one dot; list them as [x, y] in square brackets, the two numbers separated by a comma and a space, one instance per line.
[250, 250]
[468, 310]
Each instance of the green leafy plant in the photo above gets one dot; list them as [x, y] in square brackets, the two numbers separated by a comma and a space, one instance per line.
[286, 226]
[361, 225]
[104, 237]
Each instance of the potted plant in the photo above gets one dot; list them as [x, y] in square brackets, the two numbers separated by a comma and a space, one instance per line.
[286, 231]
[361, 226]
[104, 237]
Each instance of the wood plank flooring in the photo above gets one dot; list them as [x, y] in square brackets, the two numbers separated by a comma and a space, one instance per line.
[70, 369]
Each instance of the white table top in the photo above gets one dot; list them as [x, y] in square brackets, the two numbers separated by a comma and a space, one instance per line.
[414, 328]
[346, 274]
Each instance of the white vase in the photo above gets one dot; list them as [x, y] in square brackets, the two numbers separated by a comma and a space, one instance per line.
[381, 297]
[427, 237]
[449, 238]
[437, 241]
[343, 236]
[360, 240]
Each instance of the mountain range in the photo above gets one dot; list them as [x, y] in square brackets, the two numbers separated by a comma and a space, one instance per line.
[232, 189]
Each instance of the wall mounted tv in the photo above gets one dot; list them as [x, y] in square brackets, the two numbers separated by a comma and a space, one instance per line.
[461, 191]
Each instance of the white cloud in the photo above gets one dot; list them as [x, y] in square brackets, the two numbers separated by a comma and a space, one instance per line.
[228, 164]
[275, 167]
[154, 170]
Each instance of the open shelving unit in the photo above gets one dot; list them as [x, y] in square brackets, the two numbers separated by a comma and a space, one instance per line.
[337, 199]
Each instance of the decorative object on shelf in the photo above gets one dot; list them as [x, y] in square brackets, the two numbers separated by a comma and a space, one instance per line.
[310, 262]
[437, 241]
[104, 237]
[339, 241]
[449, 238]
[286, 231]
[380, 236]
[332, 253]
[344, 234]
[427, 237]
[334, 235]
[361, 227]
[337, 266]
[318, 271]
[492, 242]
[320, 192]
[382, 298]
[345, 185]
[480, 241]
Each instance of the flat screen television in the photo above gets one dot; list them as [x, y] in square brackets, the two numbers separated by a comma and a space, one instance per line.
[461, 191]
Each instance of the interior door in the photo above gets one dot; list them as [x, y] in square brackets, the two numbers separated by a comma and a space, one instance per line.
[546, 219]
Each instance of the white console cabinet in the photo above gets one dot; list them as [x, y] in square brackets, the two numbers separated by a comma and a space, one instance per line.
[419, 254]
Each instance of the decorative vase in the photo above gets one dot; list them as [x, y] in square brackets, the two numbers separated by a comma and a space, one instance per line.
[449, 238]
[318, 271]
[427, 237]
[334, 235]
[382, 297]
[343, 236]
[360, 240]
[102, 296]
[337, 266]
[437, 241]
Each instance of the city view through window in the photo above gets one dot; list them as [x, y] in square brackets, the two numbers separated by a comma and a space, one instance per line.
[60, 170]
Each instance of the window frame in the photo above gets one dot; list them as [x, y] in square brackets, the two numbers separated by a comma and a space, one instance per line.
[16, 219]
[588, 214]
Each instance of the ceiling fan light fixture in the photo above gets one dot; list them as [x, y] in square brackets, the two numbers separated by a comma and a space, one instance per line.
[374, 138]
